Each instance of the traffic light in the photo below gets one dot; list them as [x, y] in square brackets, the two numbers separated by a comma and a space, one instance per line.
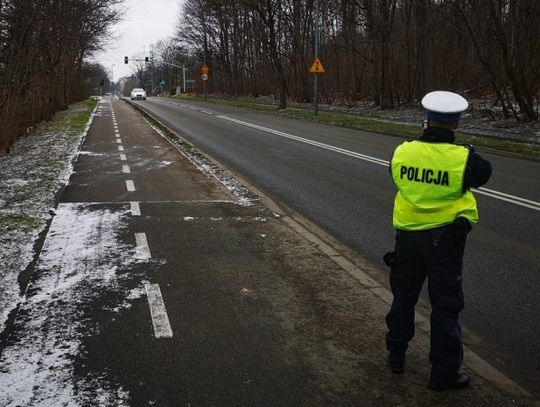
[125, 60]
[146, 59]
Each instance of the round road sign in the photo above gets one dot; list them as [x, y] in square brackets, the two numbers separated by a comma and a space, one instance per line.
[204, 76]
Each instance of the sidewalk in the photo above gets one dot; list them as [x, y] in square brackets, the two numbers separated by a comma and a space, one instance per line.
[159, 286]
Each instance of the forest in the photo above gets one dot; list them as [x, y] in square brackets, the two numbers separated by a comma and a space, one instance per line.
[384, 52]
[44, 48]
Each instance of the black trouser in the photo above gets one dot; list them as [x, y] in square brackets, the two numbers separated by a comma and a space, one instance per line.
[437, 254]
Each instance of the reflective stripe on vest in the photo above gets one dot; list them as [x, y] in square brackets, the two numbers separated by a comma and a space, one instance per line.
[429, 178]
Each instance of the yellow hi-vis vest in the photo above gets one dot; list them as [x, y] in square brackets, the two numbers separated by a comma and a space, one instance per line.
[429, 178]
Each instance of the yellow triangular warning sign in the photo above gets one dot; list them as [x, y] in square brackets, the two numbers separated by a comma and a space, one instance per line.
[317, 66]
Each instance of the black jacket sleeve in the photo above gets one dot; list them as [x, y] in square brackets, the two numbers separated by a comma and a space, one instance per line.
[477, 172]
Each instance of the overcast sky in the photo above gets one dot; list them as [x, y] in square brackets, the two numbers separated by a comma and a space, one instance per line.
[144, 23]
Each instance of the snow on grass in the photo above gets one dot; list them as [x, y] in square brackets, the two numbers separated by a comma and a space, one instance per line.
[36, 168]
[82, 259]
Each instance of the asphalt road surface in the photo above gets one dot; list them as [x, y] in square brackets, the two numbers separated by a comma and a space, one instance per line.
[338, 178]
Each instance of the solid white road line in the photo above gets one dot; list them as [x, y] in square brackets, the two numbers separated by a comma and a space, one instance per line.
[158, 312]
[130, 185]
[509, 198]
[120, 148]
[311, 142]
[483, 191]
[143, 250]
[123, 157]
[135, 209]
[126, 169]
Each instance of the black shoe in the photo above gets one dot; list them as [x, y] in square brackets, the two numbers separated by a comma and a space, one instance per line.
[462, 382]
[396, 363]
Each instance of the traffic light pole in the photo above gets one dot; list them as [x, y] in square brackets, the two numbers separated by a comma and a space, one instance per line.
[151, 61]
[183, 68]
[152, 68]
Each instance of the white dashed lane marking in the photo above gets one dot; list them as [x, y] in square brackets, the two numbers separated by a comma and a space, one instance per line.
[118, 141]
[123, 157]
[143, 250]
[158, 312]
[135, 209]
[130, 185]
[120, 148]
[126, 169]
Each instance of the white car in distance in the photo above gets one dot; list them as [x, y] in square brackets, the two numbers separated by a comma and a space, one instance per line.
[138, 93]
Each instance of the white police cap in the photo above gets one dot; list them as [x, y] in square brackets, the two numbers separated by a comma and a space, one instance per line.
[444, 106]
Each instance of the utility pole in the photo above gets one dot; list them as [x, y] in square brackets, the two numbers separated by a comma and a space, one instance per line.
[205, 50]
[316, 74]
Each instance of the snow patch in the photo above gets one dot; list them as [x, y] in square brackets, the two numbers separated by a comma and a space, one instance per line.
[82, 258]
[36, 168]
[163, 164]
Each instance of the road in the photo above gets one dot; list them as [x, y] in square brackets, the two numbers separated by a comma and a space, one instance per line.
[338, 179]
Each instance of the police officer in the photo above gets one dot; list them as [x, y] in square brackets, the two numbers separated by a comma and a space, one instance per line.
[434, 209]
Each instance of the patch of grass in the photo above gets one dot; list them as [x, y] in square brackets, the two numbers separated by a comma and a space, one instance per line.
[78, 122]
[407, 131]
[526, 149]
[73, 120]
[360, 123]
[19, 221]
[227, 102]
